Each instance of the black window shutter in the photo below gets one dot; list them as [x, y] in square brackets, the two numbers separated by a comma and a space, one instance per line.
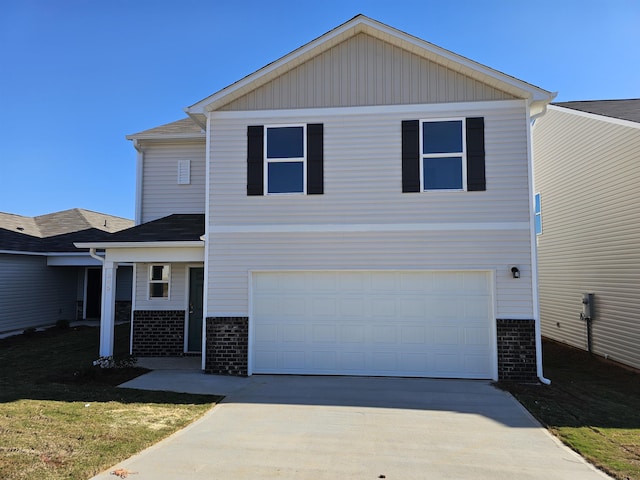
[315, 158]
[410, 156]
[476, 180]
[255, 160]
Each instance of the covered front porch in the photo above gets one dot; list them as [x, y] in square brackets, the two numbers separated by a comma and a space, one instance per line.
[168, 285]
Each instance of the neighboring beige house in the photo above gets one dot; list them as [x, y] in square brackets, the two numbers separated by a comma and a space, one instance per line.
[44, 278]
[361, 206]
[587, 169]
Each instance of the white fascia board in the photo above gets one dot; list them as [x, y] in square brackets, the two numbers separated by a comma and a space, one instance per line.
[418, 109]
[156, 255]
[595, 116]
[391, 35]
[167, 136]
[20, 252]
[112, 245]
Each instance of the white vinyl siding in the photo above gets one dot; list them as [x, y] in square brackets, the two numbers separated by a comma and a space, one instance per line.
[363, 189]
[177, 286]
[162, 194]
[364, 70]
[587, 173]
[33, 294]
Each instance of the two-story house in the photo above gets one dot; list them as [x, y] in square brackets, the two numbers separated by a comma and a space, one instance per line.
[361, 206]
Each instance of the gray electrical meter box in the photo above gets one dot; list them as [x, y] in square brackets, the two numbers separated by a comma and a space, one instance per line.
[587, 306]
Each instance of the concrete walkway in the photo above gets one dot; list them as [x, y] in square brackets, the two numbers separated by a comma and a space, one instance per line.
[353, 428]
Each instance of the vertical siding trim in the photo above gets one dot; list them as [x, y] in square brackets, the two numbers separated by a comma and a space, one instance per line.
[255, 160]
[315, 158]
[476, 179]
[410, 156]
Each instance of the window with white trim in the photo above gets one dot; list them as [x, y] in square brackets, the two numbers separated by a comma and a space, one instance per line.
[443, 157]
[159, 276]
[285, 159]
[537, 219]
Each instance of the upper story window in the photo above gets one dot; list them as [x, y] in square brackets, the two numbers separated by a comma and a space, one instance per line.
[159, 276]
[443, 156]
[538, 215]
[285, 161]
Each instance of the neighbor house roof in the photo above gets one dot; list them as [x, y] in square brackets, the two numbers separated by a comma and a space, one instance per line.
[174, 228]
[56, 232]
[622, 109]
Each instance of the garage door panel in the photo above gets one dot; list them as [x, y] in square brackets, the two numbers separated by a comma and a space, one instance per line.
[373, 323]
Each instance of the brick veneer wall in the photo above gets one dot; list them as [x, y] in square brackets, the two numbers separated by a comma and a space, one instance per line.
[158, 333]
[227, 346]
[517, 350]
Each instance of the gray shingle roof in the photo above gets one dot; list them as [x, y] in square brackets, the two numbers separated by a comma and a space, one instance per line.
[182, 128]
[174, 228]
[622, 109]
[56, 232]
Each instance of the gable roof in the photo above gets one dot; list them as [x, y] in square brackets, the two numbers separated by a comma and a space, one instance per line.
[622, 109]
[363, 24]
[56, 232]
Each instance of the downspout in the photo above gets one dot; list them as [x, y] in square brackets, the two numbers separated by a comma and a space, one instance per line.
[93, 254]
[534, 248]
[139, 171]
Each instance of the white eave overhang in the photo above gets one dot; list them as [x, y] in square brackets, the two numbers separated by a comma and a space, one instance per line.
[536, 97]
[150, 252]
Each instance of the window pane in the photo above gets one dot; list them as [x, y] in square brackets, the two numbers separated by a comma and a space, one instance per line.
[442, 137]
[538, 223]
[537, 202]
[285, 177]
[285, 142]
[442, 173]
[159, 272]
[158, 290]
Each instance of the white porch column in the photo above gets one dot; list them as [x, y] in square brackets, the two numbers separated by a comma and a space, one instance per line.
[107, 310]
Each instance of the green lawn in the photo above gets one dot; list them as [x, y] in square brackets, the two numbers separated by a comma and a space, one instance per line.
[62, 418]
[592, 405]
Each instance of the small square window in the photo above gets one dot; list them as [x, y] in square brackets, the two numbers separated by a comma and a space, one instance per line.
[285, 161]
[443, 162]
[159, 276]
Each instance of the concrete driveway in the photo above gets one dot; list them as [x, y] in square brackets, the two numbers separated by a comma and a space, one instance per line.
[353, 428]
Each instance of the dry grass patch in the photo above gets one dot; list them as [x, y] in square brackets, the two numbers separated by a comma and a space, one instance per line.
[61, 419]
[592, 405]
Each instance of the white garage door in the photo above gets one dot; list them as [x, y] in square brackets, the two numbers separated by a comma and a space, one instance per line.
[431, 324]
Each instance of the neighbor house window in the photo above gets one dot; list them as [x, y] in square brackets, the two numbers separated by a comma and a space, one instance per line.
[159, 281]
[443, 155]
[285, 160]
[538, 215]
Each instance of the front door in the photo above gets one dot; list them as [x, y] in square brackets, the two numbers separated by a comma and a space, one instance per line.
[196, 290]
[94, 293]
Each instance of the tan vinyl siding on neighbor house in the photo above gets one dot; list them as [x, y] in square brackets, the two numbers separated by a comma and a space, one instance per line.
[33, 294]
[177, 286]
[364, 70]
[587, 171]
[161, 194]
[363, 189]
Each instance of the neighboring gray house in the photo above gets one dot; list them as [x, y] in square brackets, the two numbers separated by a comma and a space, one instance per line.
[361, 206]
[587, 167]
[45, 278]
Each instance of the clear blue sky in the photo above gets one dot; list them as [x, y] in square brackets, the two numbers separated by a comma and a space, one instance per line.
[76, 76]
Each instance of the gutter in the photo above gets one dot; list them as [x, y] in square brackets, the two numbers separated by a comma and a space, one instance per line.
[93, 254]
